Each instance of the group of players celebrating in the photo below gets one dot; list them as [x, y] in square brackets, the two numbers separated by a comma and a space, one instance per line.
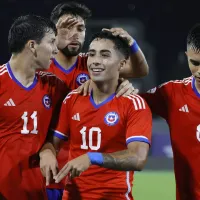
[72, 121]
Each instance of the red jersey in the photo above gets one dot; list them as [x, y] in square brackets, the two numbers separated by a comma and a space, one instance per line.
[73, 77]
[107, 127]
[178, 103]
[25, 117]
[76, 75]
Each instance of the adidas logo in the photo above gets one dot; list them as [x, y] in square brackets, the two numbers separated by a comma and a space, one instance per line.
[76, 117]
[184, 108]
[10, 102]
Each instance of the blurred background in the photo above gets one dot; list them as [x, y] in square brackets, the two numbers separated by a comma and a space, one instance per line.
[160, 28]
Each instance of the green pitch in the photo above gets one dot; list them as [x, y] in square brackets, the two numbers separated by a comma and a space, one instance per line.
[154, 185]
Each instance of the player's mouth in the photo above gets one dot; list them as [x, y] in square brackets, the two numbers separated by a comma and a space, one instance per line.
[74, 44]
[96, 71]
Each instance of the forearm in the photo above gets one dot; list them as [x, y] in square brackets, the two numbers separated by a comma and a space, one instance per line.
[136, 65]
[139, 64]
[124, 160]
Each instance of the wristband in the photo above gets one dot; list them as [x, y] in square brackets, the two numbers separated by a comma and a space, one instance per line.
[95, 158]
[134, 47]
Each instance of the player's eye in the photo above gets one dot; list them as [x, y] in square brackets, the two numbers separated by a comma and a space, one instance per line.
[105, 55]
[81, 28]
[90, 54]
[195, 63]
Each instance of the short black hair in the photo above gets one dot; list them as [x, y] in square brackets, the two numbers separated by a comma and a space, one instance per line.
[119, 43]
[193, 38]
[28, 27]
[73, 8]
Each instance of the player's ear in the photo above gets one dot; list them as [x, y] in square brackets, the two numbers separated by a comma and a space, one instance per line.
[32, 46]
[122, 64]
[186, 53]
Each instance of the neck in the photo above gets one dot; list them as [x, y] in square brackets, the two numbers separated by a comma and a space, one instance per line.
[23, 68]
[65, 61]
[102, 91]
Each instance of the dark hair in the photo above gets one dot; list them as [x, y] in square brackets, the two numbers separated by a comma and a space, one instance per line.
[193, 38]
[73, 8]
[28, 27]
[120, 43]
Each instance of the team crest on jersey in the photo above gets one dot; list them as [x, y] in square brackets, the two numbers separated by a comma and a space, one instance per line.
[82, 78]
[46, 101]
[111, 118]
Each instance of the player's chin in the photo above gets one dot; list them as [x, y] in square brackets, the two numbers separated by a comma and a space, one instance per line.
[46, 65]
[97, 79]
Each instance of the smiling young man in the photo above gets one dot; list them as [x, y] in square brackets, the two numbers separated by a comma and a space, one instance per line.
[71, 66]
[109, 137]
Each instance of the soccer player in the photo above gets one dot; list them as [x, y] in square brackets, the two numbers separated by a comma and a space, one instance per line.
[28, 102]
[71, 66]
[108, 135]
[178, 103]
[70, 19]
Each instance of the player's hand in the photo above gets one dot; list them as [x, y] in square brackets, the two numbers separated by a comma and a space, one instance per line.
[121, 33]
[48, 165]
[85, 88]
[75, 167]
[125, 88]
[63, 26]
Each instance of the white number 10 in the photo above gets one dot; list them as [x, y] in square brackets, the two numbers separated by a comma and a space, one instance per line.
[91, 131]
[25, 118]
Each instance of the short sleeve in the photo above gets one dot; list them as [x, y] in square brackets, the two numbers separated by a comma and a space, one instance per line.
[61, 128]
[139, 121]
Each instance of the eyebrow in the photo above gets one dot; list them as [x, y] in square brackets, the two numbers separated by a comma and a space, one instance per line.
[102, 51]
[195, 60]
[80, 24]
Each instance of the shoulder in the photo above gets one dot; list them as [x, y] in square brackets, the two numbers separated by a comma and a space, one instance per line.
[49, 78]
[169, 86]
[135, 101]
[177, 83]
[3, 70]
[71, 96]
[52, 82]
[4, 74]
[82, 60]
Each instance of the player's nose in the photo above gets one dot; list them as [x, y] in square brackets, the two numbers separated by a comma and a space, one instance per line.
[55, 50]
[95, 64]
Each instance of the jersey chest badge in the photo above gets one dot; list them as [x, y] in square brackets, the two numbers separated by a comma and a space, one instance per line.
[46, 101]
[82, 78]
[111, 118]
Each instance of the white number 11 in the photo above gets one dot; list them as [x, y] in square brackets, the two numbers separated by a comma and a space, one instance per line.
[25, 118]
